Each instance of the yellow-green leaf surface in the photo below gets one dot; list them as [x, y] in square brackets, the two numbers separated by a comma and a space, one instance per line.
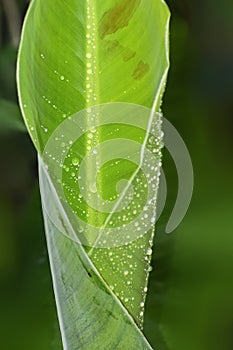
[113, 55]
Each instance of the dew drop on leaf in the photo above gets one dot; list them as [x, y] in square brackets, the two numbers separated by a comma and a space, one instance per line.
[75, 161]
[149, 251]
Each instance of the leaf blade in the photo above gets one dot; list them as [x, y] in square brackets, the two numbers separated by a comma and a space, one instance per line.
[79, 72]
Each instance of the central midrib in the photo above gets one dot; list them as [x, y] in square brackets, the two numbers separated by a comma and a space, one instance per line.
[92, 87]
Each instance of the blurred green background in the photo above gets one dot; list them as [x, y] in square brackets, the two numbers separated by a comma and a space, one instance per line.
[190, 299]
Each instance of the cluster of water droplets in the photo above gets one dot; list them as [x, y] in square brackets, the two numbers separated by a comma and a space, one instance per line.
[127, 268]
[107, 181]
[60, 114]
[91, 85]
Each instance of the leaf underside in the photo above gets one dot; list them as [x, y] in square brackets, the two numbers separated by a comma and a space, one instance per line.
[74, 55]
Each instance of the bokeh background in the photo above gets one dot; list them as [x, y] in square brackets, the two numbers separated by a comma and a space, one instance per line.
[190, 299]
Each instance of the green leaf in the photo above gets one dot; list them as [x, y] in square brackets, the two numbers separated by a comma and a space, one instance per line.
[87, 70]
[10, 117]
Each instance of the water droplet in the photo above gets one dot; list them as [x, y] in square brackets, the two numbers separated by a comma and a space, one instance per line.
[153, 220]
[75, 161]
[93, 188]
[149, 251]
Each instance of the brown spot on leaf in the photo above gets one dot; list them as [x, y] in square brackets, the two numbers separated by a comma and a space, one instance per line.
[141, 70]
[113, 47]
[118, 17]
[128, 54]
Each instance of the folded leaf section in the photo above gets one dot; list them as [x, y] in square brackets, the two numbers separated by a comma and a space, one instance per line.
[90, 315]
